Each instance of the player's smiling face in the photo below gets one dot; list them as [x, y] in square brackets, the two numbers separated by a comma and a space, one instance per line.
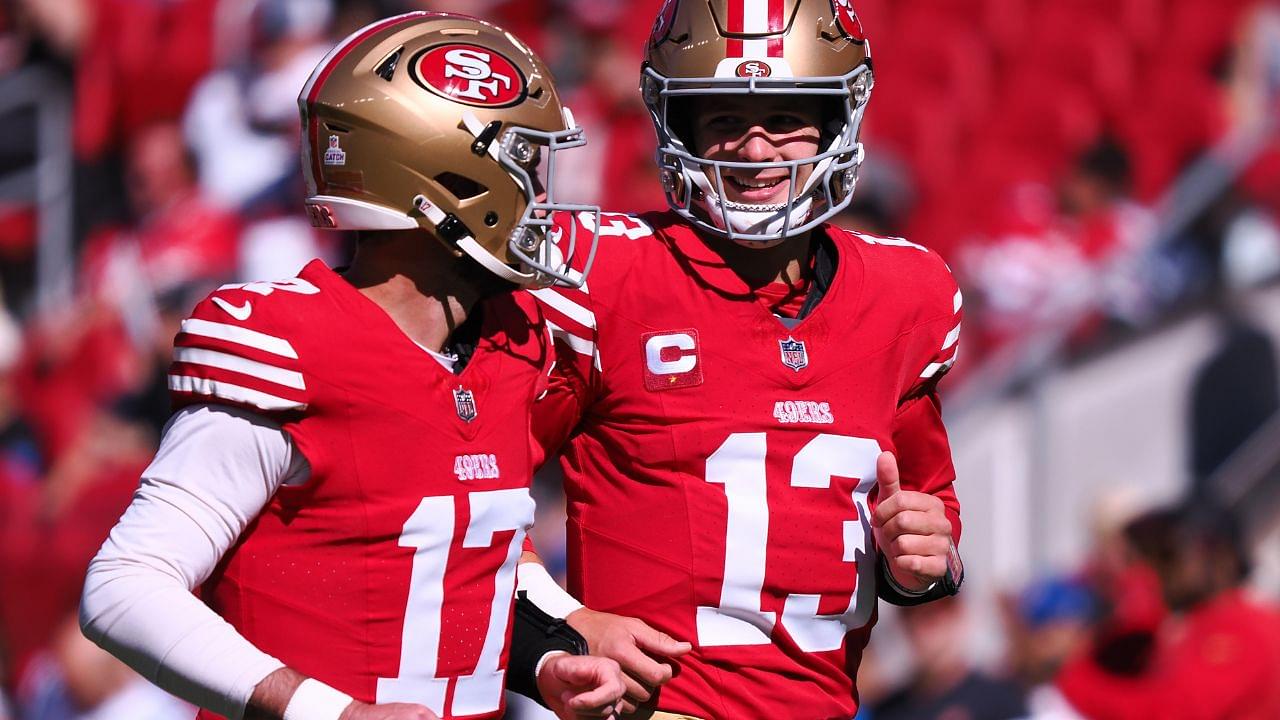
[757, 129]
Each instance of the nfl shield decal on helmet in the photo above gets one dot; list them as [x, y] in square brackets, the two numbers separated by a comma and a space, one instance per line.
[469, 74]
[794, 355]
[465, 403]
[335, 155]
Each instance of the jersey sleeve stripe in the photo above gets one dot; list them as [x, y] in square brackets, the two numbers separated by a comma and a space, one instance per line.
[952, 337]
[957, 302]
[239, 336]
[568, 324]
[235, 363]
[575, 343]
[933, 368]
[569, 308]
[219, 389]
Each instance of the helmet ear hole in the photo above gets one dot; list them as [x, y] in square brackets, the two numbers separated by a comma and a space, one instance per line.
[462, 188]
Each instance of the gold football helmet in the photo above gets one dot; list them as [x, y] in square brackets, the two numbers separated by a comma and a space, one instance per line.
[758, 47]
[446, 123]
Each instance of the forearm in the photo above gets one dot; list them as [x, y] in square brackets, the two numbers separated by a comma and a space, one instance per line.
[287, 694]
[162, 631]
[213, 474]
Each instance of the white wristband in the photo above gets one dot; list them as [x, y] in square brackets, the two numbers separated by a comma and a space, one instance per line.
[537, 669]
[532, 578]
[313, 700]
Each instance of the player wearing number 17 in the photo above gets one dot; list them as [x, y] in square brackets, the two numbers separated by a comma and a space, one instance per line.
[346, 478]
[746, 394]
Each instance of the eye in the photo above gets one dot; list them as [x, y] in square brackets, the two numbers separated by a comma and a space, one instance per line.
[723, 123]
[788, 122]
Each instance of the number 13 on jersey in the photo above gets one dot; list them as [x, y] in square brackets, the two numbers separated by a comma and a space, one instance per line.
[739, 465]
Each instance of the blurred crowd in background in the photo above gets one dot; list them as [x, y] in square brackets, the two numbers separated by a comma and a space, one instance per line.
[1090, 168]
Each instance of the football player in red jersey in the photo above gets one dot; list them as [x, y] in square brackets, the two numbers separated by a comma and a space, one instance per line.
[340, 481]
[745, 397]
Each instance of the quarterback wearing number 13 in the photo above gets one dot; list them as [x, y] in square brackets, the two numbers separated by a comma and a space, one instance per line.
[745, 399]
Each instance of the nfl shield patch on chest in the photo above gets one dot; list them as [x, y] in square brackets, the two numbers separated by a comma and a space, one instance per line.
[465, 403]
[794, 355]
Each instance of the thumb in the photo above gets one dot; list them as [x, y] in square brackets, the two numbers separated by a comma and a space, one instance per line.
[574, 670]
[659, 643]
[887, 475]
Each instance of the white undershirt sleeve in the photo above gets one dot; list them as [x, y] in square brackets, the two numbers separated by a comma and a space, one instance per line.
[216, 468]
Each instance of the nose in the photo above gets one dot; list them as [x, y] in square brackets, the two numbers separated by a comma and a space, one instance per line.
[756, 146]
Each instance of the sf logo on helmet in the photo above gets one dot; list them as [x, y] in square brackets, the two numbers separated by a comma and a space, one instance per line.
[754, 68]
[469, 74]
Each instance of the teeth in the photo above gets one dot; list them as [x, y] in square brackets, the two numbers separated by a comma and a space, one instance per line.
[756, 183]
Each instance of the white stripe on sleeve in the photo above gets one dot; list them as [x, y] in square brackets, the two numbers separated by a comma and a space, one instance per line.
[571, 309]
[234, 393]
[244, 366]
[240, 336]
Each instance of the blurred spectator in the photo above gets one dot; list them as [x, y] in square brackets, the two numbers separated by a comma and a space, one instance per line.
[137, 65]
[1233, 394]
[21, 457]
[242, 122]
[63, 26]
[177, 236]
[1255, 71]
[1047, 624]
[944, 683]
[50, 530]
[140, 279]
[1217, 656]
[242, 126]
[77, 680]
[1075, 255]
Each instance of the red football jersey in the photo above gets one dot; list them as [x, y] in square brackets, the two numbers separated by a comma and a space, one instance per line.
[718, 463]
[390, 573]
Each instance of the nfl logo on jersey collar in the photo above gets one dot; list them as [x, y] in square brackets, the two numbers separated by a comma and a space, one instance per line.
[794, 354]
[465, 403]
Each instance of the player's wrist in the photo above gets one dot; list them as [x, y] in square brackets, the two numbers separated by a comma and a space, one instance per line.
[542, 590]
[909, 588]
[545, 660]
[314, 700]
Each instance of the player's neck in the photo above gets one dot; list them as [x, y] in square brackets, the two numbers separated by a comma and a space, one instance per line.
[785, 262]
[426, 290]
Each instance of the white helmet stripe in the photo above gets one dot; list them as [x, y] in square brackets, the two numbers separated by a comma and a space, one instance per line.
[755, 20]
[755, 17]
